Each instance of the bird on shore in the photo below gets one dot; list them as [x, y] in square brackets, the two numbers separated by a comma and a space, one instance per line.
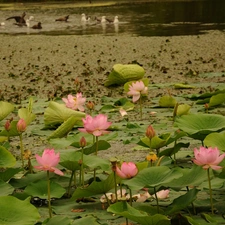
[18, 19]
[84, 18]
[27, 23]
[103, 19]
[37, 26]
[116, 20]
[63, 18]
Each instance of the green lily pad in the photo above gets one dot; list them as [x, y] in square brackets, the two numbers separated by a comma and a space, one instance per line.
[183, 86]
[5, 188]
[124, 73]
[15, 211]
[40, 189]
[57, 113]
[200, 125]
[5, 109]
[217, 100]
[215, 140]
[152, 177]
[124, 209]
[167, 101]
[6, 158]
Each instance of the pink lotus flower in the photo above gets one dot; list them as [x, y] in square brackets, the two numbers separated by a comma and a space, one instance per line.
[21, 125]
[163, 194]
[137, 89]
[97, 125]
[48, 161]
[128, 170]
[75, 102]
[208, 157]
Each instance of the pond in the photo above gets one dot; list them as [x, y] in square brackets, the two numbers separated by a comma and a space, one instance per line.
[135, 18]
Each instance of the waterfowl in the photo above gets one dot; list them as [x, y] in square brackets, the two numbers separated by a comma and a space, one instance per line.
[84, 18]
[103, 20]
[116, 20]
[18, 19]
[63, 18]
[37, 26]
[27, 23]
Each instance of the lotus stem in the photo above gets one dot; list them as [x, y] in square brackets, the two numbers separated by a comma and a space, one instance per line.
[82, 167]
[130, 196]
[96, 150]
[157, 200]
[140, 102]
[21, 149]
[70, 182]
[115, 186]
[49, 196]
[210, 191]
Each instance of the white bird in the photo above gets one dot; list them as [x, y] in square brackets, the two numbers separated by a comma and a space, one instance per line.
[2, 24]
[103, 20]
[28, 21]
[116, 20]
[84, 18]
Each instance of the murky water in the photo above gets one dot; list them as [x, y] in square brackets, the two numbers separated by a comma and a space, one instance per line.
[135, 19]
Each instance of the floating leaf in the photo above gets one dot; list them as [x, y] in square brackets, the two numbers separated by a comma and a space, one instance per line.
[57, 113]
[14, 211]
[183, 86]
[40, 189]
[6, 158]
[95, 188]
[182, 202]
[124, 209]
[123, 73]
[167, 101]
[5, 109]
[217, 100]
[5, 188]
[200, 125]
[27, 115]
[215, 140]
[152, 177]
[64, 128]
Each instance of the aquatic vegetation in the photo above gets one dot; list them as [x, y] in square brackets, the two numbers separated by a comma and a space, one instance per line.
[169, 185]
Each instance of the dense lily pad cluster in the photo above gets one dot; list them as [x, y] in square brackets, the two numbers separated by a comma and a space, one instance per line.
[173, 184]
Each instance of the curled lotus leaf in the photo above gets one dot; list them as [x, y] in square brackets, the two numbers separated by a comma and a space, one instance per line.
[123, 73]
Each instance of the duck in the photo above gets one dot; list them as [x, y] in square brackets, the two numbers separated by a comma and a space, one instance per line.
[103, 20]
[18, 19]
[37, 26]
[84, 18]
[27, 23]
[63, 18]
[116, 20]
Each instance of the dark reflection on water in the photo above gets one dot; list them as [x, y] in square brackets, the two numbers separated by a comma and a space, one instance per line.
[143, 19]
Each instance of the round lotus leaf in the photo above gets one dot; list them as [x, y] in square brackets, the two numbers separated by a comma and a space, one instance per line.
[124, 73]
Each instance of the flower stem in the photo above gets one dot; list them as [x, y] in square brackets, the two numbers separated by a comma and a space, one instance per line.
[140, 102]
[82, 167]
[130, 196]
[210, 191]
[70, 182]
[96, 150]
[157, 200]
[21, 149]
[115, 186]
[49, 196]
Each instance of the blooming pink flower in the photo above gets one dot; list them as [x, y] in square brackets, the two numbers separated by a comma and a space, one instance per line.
[21, 125]
[163, 194]
[136, 89]
[48, 161]
[208, 157]
[128, 170]
[75, 102]
[97, 125]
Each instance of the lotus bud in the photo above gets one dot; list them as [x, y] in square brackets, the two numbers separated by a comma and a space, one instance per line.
[7, 125]
[21, 125]
[90, 105]
[150, 132]
[83, 142]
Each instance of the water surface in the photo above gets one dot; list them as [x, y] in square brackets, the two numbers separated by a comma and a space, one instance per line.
[136, 19]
